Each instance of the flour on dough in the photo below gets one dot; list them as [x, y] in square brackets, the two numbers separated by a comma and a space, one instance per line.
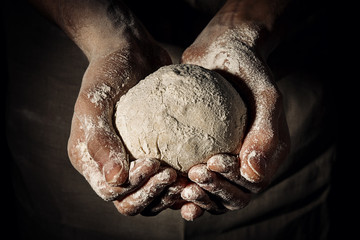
[181, 114]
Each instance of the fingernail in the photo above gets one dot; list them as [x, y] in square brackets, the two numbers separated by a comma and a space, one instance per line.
[114, 174]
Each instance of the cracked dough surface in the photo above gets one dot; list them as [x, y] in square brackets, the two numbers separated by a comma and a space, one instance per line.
[182, 115]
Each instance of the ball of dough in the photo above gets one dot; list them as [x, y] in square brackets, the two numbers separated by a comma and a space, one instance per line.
[182, 115]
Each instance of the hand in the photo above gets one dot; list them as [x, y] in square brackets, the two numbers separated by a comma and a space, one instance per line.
[94, 147]
[170, 198]
[121, 52]
[233, 51]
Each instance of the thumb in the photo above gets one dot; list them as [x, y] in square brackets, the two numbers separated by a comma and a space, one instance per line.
[253, 156]
[92, 127]
[107, 150]
[265, 147]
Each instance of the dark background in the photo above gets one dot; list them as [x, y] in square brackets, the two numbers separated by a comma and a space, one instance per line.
[343, 207]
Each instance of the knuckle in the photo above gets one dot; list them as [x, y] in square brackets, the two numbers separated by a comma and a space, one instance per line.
[125, 209]
[199, 174]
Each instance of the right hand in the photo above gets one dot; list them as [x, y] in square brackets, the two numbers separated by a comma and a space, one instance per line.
[94, 147]
[235, 43]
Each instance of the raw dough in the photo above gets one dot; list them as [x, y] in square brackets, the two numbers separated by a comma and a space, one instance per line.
[181, 114]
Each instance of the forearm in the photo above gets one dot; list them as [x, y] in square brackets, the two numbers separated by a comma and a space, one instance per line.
[259, 17]
[261, 12]
[97, 27]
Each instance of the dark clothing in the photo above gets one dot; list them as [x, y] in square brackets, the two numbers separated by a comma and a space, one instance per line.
[45, 69]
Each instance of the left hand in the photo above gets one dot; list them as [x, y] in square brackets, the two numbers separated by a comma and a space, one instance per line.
[231, 50]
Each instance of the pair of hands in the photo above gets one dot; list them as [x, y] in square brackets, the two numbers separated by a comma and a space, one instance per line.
[143, 186]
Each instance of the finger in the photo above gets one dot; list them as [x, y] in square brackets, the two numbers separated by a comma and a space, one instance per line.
[226, 165]
[230, 195]
[141, 170]
[171, 197]
[193, 193]
[191, 211]
[264, 149]
[135, 202]
[94, 111]
[82, 160]
[108, 151]
[267, 142]
[229, 167]
[92, 125]
[253, 156]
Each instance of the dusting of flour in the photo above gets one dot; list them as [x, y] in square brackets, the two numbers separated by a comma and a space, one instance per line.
[92, 173]
[234, 52]
[182, 114]
[99, 95]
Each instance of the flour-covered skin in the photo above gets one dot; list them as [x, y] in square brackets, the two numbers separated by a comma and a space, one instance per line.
[136, 202]
[190, 211]
[195, 194]
[231, 197]
[171, 198]
[120, 53]
[236, 43]
[233, 53]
